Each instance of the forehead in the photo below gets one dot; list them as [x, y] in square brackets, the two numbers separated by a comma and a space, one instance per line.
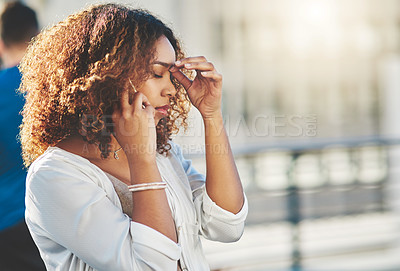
[164, 51]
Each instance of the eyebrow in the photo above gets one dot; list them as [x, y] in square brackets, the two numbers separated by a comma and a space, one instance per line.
[167, 65]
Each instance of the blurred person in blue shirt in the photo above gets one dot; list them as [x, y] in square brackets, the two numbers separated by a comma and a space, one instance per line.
[18, 25]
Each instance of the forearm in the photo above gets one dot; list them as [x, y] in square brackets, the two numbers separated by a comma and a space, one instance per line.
[222, 180]
[150, 207]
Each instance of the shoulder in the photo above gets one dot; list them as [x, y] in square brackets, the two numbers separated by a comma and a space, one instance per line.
[175, 148]
[177, 154]
[57, 158]
[10, 74]
[10, 80]
[57, 164]
[176, 151]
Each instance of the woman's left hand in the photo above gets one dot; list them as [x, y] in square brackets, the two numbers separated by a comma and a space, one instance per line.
[205, 91]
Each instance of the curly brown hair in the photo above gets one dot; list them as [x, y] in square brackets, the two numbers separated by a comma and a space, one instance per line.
[75, 72]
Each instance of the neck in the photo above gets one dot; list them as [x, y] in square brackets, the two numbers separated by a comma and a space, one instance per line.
[77, 145]
[11, 56]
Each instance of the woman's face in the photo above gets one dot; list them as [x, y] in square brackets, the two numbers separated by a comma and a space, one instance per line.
[159, 88]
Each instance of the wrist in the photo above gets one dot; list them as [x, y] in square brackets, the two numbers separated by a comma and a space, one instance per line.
[144, 171]
[212, 117]
[214, 125]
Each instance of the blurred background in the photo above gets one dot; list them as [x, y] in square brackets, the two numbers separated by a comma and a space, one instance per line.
[311, 104]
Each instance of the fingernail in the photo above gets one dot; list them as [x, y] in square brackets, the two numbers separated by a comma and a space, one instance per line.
[204, 73]
[178, 62]
[188, 65]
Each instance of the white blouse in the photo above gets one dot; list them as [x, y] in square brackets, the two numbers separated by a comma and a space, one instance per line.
[76, 218]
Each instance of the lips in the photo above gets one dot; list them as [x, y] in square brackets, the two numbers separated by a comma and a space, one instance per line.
[163, 109]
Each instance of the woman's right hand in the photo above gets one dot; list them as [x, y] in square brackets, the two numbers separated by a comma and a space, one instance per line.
[135, 131]
[135, 128]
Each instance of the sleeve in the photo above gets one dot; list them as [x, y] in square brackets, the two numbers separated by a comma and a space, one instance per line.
[77, 214]
[216, 223]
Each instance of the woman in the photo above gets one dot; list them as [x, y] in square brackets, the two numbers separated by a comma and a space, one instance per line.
[106, 188]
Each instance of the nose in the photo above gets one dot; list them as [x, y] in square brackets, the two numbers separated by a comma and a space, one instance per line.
[169, 89]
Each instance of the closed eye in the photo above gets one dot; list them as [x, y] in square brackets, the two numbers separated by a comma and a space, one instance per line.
[157, 75]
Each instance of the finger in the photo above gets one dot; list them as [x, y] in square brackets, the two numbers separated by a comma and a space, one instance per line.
[140, 101]
[201, 66]
[212, 75]
[186, 82]
[126, 101]
[150, 110]
[191, 59]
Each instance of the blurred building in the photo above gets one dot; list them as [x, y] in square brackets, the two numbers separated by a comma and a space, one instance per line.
[292, 69]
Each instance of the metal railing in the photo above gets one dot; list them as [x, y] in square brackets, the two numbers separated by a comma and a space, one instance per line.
[351, 173]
